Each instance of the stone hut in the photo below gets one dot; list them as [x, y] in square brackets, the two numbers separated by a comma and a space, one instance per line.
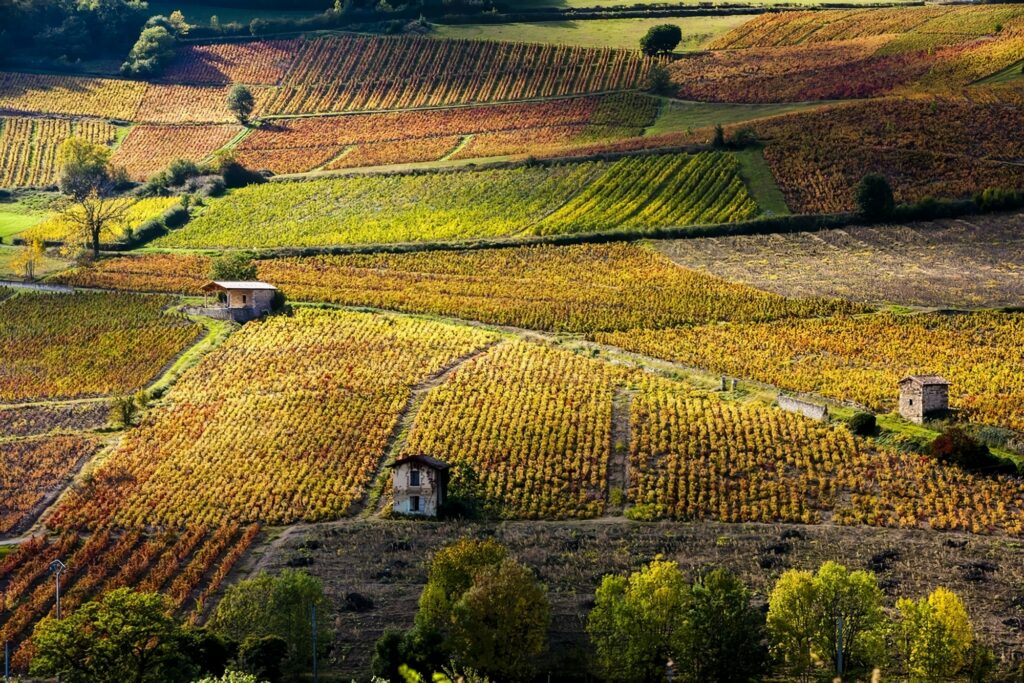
[922, 396]
[238, 301]
[420, 485]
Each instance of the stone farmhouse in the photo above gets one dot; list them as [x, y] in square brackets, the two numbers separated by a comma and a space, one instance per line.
[420, 485]
[238, 301]
[923, 396]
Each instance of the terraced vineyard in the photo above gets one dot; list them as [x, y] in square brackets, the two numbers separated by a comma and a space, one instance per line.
[680, 190]
[28, 147]
[925, 148]
[233, 443]
[696, 457]
[861, 358]
[186, 565]
[149, 149]
[354, 73]
[297, 145]
[126, 342]
[532, 287]
[553, 408]
[74, 95]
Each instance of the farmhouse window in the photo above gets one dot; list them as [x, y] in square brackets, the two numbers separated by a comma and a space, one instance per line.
[911, 401]
[414, 503]
[414, 478]
[243, 299]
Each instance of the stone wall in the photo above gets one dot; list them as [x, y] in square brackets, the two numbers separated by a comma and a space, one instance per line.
[805, 408]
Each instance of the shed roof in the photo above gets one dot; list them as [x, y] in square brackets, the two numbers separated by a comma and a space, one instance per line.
[425, 460]
[925, 380]
[230, 284]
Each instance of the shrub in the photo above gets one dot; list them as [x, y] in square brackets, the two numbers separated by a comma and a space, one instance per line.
[263, 657]
[661, 39]
[956, 447]
[151, 52]
[237, 267]
[863, 424]
[659, 80]
[874, 196]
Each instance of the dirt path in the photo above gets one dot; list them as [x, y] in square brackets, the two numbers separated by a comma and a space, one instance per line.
[396, 442]
[618, 461]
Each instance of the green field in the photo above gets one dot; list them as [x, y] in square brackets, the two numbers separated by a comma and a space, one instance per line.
[682, 116]
[13, 222]
[635, 193]
[761, 183]
[619, 33]
[1007, 75]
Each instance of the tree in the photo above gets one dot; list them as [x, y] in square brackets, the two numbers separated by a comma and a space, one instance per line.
[808, 613]
[241, 103]
[718, 142]
[151, 52]
[238, 267]
[725, 632]
[659, 80]
[639, 623]
[419, 648]
[94, 218]
[126, 636]
[86, 176]
[486, 609]
[263, 657]
[84, 167]
[500, 625]
[934, 636]
[27, 261]
[874, 196]
[274, 605]
[661, 39]
[451, 574]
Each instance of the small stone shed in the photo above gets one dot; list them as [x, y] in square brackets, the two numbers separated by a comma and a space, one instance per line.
[922, 396]
[242, 301]
[420, 485]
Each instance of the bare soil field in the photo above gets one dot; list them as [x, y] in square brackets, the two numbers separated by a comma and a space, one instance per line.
[967, 262]
[386, 562]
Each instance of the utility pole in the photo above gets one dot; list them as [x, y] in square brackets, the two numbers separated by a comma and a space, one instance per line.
[316, 678]
[7, 661]
[839, 650]
[57, 568]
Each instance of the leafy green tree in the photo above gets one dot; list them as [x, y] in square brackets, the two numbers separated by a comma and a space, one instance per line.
[451, 574]
[805, 613]
[419, 648]
[275, 605]
[263, 657]
[934, 636]
[489, 610]
[863, 424]
[237, 267]
[875, 200]
[639, 623]
[151, 52]
[500, 625]
[661, 39]
[241, 103]
[231, 677]
[725, 634]
[792, 620]
[126, 636]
